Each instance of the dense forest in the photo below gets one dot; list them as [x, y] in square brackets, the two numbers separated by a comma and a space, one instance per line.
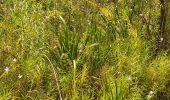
[84, 50]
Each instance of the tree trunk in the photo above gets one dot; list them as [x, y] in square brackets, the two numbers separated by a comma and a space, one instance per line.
[161, 39]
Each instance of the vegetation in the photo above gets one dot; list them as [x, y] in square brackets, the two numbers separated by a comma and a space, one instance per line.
[84, 50]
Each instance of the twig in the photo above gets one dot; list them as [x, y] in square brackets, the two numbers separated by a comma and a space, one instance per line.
[55, 76]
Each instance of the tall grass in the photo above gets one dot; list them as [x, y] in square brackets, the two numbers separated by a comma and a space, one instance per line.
[82, 50]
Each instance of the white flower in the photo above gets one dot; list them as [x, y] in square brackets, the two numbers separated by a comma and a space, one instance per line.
[19, 76]
[129, 78]
[151, 92]
[141, 15]
[162, 39]
[6, 69]
[14, 60]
